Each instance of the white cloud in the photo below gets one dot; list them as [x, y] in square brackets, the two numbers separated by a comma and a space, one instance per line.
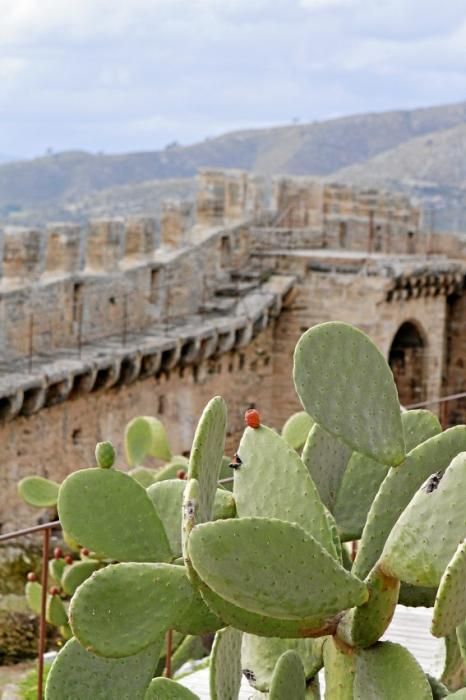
[327, 4]
[101, 74]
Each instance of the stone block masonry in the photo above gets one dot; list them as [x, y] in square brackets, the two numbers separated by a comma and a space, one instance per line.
[127, 317]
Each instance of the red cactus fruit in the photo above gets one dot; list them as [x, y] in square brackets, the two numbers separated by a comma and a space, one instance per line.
[31, 576]
[69, 559]
[85, 552]
[252, 418]
[58, 553]
[54, 590]
[181, 474]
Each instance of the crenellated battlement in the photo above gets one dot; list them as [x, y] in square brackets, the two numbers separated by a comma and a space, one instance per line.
[69, 289]
[341, 215]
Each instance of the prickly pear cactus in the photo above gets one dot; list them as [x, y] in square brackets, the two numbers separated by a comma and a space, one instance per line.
[334, 363]
[78, 674]
[207, 454]
[296, 429]
[111, 514]
[265, 564]
[145, 436]
[288, 678]
[450, 603]
[39, 492]
[225, 664]
[166, 689]
[419, 547]
[105, 455]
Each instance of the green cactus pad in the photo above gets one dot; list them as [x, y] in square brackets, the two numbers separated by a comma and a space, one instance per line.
[299, 579]
[56, 611]
[38, 492]
[166, 689]
[365, 625]
[231, 614]
[109, 513]
[461, 640]
[224, 505]
[418, 426]
[388, 671]
[454, 670]
[427, 533]
[143, 476]
[33, 593]
[145, 436]
[56, 568]
[326, 458]
[288, 679]
[261, 625]
[346, 385]
[335, 537]
[439, 690]
[167, 497]
[124, 608]
[189, 518]
[105, 455]
[77, 674]
[225, 665]
[399, 487]
[340, 669]
[207, 454]
[296, 429]
[358, 488]
[77, 573]
[259, 656]
[459, 694]
[450, 604]
[272, 481]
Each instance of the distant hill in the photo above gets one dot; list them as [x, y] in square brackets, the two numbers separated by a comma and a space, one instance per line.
[61, 184]
[435, 158]
[431, 167]
[122, 200]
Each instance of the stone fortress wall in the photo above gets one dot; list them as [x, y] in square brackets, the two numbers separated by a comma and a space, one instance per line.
[128, 317]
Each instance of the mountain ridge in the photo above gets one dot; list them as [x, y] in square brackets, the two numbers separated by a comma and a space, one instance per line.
[341, 147]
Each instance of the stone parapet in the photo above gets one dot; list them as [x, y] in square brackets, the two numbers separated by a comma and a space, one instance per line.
[111, 364]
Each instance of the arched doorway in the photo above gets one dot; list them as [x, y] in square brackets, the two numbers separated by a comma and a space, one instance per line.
[407, 361]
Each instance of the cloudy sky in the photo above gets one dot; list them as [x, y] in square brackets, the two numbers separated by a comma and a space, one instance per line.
[119, 75]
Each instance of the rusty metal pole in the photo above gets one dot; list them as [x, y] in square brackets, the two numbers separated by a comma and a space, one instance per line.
[42, 622]
[125, 319]
[444, 414]
[31, 341]
[168, 655]
[80, 329]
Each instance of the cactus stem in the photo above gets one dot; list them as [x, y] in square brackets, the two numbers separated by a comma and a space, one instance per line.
[330, 627]
[343, 646]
